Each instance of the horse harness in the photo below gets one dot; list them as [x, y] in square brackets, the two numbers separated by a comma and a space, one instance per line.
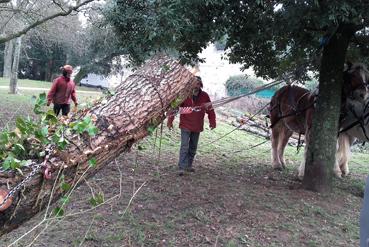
[294, 106]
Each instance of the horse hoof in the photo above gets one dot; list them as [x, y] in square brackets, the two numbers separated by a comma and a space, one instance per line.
[338, 175]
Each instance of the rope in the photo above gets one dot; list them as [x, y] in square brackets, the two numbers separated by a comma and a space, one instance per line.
[252, 147]
[243, 123]
[227, 100]
[220, 102]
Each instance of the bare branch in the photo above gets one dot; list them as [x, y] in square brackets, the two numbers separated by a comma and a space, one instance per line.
[59, 5]
[41, 21]
[4, 1]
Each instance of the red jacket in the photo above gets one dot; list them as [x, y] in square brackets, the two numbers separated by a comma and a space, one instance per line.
[62, 91]
[194, 121]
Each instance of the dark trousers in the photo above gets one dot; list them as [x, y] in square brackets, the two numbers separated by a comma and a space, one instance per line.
[188, 148]
[65, 108]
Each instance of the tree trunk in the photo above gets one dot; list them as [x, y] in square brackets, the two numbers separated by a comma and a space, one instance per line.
[139, 103]
[323, 136]
[8, 58]
[80, 75]
[14, 74]
[49, 73]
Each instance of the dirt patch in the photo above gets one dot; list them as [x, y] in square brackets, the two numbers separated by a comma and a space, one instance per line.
[218, 205]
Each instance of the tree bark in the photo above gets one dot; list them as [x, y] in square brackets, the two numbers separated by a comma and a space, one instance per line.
[323, 136]
[8, 58]
[139, 102]
[80, 75]
[49, 73]
[14, 72]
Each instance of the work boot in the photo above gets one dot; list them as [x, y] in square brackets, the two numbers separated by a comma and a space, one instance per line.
[180, 172]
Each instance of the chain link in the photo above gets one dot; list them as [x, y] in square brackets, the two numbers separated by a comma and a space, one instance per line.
[34, 171]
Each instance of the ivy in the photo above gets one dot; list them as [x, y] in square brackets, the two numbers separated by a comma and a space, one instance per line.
[40, 102]
[175, 103]
[30, 137]
[86, 125]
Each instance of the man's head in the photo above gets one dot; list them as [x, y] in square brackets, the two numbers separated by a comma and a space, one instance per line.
[196, 90]
[67, 70]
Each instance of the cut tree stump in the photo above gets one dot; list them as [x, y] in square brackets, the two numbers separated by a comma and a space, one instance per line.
[139, 102]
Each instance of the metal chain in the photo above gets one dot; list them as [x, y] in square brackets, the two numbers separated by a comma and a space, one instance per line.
[34, 171]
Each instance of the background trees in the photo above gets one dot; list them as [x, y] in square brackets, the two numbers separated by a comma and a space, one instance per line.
[275, 37]
[20, 17]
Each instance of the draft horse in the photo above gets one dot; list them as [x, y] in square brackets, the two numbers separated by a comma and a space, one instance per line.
[354, 126]
[291, 110]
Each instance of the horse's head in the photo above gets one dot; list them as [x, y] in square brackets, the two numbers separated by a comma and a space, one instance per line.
[356, 79]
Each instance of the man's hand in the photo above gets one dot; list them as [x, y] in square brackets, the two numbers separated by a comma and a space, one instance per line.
[75, 108]
[48, 103]
[212, 126]
[170, 125]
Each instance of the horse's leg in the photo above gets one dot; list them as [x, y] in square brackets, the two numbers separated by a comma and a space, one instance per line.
[301, 170]
[340, 150]
[345, 142]
[285, 136]
[340, 154]
[275, 138]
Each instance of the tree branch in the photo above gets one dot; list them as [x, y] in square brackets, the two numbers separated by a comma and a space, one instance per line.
[4, 1]
[41, 21]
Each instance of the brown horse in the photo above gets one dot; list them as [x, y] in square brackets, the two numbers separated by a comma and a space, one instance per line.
[292, 107]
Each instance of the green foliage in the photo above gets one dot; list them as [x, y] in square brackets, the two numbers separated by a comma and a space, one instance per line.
[40, 102]
[274, 37]
[58, 212]
[65, 186]
[12, 163]
[92, 162]
[151, 129]
[85, 125]
[241, 84]
[65, 200]
[175, 103]
[30, 137]
[97, 199]
[59, 139]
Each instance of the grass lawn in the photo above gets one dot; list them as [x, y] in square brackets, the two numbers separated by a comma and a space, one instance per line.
[35, 84]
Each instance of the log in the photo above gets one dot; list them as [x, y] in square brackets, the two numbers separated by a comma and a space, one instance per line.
[258, 127]
[139, 102]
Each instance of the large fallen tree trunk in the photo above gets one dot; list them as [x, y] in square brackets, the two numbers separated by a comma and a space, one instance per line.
[138, 104]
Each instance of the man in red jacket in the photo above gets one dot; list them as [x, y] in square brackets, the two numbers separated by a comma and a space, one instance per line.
[191, 125]
[62, 91]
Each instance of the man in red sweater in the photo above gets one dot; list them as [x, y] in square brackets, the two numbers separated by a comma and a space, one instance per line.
[62, 91]
[191, 125]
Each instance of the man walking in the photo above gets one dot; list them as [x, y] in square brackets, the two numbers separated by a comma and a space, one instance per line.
[62, 91]
[191, 125]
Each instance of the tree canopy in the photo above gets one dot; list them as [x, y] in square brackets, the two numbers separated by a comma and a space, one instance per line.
[272, 36]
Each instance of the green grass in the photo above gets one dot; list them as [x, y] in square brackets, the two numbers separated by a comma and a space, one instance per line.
[21, 104]
[35, 84]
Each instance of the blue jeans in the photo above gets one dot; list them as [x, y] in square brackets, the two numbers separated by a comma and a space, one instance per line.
[188, 148]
